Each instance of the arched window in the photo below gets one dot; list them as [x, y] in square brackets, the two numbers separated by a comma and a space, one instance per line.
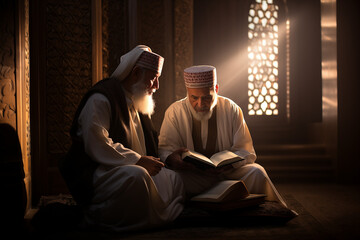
[263, 58]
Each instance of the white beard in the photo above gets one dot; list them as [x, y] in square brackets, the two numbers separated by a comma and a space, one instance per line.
[142, 100]
[202, 115]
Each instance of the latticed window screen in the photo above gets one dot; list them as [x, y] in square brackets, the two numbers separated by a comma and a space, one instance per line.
[263, 58]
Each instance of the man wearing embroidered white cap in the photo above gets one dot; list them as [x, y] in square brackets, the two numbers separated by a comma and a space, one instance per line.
[112, 169]
[208, 123]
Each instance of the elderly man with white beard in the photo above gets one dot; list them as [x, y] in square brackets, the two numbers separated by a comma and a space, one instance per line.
[112, 169]
[208, 123]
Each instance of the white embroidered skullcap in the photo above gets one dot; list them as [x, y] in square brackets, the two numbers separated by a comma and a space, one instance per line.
[150, 60]
[200, 76]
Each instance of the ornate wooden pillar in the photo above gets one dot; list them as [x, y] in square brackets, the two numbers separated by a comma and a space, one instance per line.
[15, 76]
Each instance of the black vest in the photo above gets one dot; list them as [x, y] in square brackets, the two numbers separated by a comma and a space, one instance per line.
[77, 168]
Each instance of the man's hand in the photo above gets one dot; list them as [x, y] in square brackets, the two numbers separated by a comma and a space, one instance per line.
[152, 164]
[175, 162]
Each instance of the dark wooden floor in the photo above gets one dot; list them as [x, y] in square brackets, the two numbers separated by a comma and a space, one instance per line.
[335, 206]
[327, 211]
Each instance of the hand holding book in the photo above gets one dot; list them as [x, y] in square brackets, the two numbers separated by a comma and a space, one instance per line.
[174, 161]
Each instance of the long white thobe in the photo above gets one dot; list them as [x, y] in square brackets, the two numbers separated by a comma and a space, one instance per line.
[232, 134]
[126, 197]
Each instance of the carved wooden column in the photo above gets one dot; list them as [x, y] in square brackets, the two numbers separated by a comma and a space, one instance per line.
[15, 76]
[23, 89]
[7, 64]
[96, 25]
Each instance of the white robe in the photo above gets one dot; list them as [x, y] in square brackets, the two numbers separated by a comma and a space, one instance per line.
[126, 196]
[232, 134]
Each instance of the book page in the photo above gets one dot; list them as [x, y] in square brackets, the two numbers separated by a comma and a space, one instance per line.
[224, 156]
[197, 156]
[216, 193]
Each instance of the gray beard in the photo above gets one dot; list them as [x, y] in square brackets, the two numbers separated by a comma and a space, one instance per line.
[200, 116]
[143, 102]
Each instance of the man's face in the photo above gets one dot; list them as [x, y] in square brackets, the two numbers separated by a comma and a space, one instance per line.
[201, 99]
[150, 80]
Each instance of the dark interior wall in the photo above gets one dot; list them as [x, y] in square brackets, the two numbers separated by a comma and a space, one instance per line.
[348, 50]
[305, 61]
[166, 26]
[220, 39]
[115, 31]
[155, 29]
[183, 43]
[60, 72]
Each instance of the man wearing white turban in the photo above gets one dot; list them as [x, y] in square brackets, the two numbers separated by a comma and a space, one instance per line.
[208, 123]
[112, 169]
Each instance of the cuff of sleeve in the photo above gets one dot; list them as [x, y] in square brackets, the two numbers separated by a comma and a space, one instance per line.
[132, 158]
[248, 159]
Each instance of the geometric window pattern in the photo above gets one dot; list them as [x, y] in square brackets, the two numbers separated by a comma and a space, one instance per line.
[263, 49]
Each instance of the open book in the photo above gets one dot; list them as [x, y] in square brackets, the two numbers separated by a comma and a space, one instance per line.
[217, 160]
[227, 195]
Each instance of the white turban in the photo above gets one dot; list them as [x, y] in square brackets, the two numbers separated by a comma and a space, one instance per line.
[149, 60]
